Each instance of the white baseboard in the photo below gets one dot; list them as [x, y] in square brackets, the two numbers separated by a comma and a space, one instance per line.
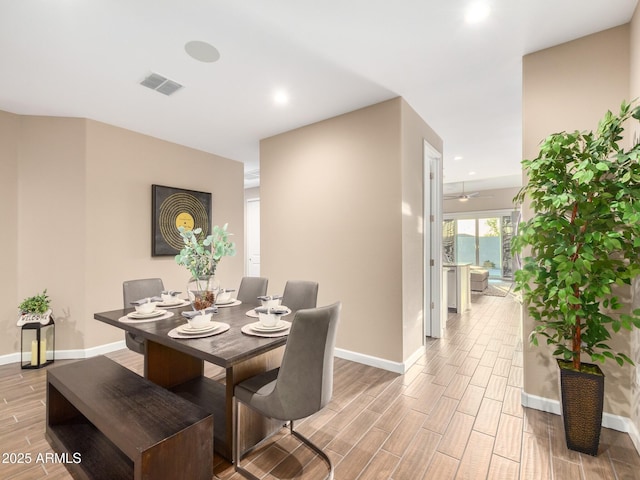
[377, 362]
[10, 358]
[396, 367]
[614, 422]
[90, 352]
[71, 354]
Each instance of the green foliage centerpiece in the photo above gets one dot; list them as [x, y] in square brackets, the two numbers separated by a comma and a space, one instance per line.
[201, 256]
[38, 304]
[584, 239]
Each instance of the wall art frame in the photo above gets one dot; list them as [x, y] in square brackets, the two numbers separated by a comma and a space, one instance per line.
[171, 208]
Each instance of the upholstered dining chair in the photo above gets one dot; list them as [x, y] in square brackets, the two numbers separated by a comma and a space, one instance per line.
[301, 386]
[133, 290]
[300, 294]
[251, 288]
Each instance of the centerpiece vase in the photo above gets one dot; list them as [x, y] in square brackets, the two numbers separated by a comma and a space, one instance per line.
[202, 291]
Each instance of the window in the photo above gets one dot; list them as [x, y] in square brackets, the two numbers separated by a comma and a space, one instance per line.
[482, 239]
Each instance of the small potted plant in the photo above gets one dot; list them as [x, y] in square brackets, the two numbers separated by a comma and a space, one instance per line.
[201, 256]
[584, 241]
[35, 309]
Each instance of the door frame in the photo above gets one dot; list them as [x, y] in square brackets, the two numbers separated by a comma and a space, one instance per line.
[433, 325]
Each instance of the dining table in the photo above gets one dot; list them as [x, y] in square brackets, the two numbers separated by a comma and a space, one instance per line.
[177, 364]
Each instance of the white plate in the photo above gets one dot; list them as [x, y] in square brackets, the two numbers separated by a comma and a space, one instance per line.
[231, 300]
[178, 301]
[188, 330]
[276, 328]
[155, 313]
[252, 313]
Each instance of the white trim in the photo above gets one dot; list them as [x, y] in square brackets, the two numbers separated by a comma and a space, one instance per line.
[635, 435]
[10, 358]
[433, 319]
[614, 422]
[71, 354]
[377, 362]
[90, 352]
[408, 363]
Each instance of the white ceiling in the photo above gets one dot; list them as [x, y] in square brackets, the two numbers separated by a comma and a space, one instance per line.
[85, 58]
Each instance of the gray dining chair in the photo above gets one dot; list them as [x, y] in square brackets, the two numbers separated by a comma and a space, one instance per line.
[301, 386]
[251, 288]
[133, 290]
[300, 294]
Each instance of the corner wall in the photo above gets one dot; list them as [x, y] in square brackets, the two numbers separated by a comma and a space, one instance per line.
[9, 147]
[570, 87]
[81, 193]
[331, 198]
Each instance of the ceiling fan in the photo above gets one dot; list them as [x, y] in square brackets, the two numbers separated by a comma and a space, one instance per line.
[464, 196]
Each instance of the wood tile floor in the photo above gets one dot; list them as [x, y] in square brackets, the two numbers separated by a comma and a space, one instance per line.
[455, 414]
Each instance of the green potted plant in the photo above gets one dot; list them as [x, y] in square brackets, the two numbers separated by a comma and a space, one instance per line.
[583, 241]
[201, 256]
[35, 309]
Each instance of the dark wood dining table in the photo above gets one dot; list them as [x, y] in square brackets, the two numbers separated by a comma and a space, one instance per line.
[178, 365]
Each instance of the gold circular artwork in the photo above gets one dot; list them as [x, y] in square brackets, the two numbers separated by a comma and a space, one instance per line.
[185, 219]
[181, 209]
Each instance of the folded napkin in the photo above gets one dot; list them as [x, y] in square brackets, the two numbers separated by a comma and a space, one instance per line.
[171, 292]
[280, 310]
[193, 313]
[146, 300]
[269, 297]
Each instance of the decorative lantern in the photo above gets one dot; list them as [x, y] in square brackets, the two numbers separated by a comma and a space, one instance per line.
[38, 342]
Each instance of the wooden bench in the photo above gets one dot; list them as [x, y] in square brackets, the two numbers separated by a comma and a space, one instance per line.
[120, 425]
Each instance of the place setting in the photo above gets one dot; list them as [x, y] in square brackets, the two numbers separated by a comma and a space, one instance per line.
[170, 299]
[269, 301]
[146, 311]
[199, 325]
[270, 323]
[226, 299]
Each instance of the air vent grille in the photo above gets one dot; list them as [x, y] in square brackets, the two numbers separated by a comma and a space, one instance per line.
[160, 84]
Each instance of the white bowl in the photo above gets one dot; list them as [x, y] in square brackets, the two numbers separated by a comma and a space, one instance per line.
[223, 297]
[268, 319]
[271, 303]
[145, 308]
[199, 321]
[166, 298]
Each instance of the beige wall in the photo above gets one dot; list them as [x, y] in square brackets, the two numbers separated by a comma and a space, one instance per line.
[84, 223]
[635, 93]
[9, 145]
[414, 131]
[331, 199]
[496, 199]
[570, 87]
[52, 233]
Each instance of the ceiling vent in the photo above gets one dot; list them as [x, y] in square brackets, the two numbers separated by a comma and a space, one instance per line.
[161, 84]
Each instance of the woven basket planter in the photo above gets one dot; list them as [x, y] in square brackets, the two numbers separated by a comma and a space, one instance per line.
[582, 404]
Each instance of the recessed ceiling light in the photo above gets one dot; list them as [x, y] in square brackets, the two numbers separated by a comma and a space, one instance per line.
[457, 157]
[281, 97]
[477, 12]
[472, 173]
[202, 51]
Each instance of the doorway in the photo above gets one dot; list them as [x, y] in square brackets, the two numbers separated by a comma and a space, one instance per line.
[482, 239]
[252, 228]
[434, 317]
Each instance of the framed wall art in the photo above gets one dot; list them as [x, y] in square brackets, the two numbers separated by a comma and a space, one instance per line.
[172, 208]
